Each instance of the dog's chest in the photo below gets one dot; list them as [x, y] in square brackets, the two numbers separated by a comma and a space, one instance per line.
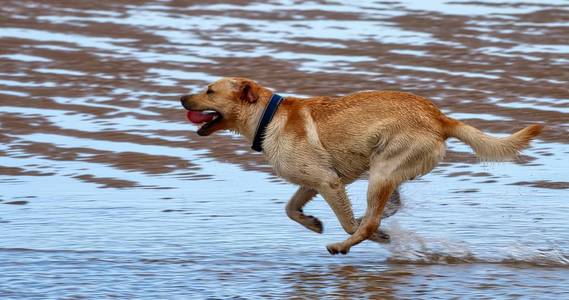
[295, 160]
[287, 163]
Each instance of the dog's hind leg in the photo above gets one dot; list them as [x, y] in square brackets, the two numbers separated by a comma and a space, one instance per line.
[403, 160]
[391, 207]
[294, 209]
[378, 194]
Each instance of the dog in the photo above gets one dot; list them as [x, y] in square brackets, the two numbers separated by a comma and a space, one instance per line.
[322, 144]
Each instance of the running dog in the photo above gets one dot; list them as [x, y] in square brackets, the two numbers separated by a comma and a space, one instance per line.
[324, 143]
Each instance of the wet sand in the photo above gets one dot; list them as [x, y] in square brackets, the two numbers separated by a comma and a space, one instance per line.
[108, 192]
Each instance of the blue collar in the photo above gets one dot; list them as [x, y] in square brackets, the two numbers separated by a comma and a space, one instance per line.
[266, 118]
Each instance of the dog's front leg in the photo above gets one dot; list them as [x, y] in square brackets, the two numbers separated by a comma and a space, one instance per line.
[294, 209]
[334, 192]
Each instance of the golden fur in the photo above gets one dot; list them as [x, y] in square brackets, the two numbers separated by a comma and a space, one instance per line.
[324, 143]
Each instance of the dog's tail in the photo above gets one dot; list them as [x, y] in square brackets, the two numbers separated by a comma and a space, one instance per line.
[490, 148]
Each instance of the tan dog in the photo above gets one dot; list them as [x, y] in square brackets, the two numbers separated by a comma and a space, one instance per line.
[324, 143]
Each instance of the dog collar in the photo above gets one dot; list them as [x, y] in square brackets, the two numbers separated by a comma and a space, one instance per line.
[266, 118]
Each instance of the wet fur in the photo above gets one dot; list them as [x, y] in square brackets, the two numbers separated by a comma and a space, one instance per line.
[323, 144]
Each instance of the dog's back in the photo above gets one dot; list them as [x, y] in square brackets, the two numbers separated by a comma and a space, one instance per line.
[355, 127]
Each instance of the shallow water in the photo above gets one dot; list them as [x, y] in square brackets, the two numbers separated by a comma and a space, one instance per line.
[106, 191]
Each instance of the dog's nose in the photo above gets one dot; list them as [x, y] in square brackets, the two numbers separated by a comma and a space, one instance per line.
[183, 100]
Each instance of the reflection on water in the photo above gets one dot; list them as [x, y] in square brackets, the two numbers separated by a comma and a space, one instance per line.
[107, 192]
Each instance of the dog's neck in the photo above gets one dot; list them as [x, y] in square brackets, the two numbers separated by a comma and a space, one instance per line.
[251, 115]
[268, 114]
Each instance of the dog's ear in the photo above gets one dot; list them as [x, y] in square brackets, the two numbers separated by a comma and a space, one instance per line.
[249, 92]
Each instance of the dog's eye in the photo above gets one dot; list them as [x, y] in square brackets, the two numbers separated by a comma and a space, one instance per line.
[209, 91]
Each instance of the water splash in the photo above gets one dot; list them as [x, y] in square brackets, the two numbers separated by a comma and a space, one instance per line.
[408, 247]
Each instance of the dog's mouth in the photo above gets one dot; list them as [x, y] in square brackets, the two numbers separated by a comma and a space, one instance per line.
[209, 117]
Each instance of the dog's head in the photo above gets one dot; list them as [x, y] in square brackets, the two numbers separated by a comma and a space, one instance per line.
[220, 106]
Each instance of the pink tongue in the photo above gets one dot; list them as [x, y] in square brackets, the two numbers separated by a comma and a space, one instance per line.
[198, 117]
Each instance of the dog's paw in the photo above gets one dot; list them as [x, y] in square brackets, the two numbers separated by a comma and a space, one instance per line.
[313, 224]
[380, 236]
[337, 248]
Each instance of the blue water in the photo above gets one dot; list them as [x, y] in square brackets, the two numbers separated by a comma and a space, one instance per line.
[107, 192]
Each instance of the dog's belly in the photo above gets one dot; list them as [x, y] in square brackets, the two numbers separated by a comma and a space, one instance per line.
[350, 164]
[305, 164]
[349, 151]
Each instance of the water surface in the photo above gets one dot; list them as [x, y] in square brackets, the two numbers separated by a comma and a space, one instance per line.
[106, 191]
